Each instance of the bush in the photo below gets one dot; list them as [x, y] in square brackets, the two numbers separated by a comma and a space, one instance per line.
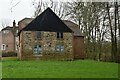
[9, 54]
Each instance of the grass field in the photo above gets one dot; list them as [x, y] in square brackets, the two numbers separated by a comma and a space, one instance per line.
[58, 69]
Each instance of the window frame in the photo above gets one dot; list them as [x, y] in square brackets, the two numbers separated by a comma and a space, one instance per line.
[3, 47]
[38, 50]
[60, 35]
[6, 32]
[60, 48]
[38, 34]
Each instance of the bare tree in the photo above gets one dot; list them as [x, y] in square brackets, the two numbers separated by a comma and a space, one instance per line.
[118, 21]
[13, 5]
[5, 23]
[111, 29]
[57, 7]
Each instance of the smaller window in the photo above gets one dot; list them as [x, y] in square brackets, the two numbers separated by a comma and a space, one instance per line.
[60, 48]
[17, 47]
[57, 35]
[37, 49]
[6, 31]
[60, 35]
[6, 45]
[38, 34]
[3, 47]
[17, 31]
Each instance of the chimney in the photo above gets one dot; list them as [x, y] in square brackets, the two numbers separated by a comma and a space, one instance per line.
[14, 24]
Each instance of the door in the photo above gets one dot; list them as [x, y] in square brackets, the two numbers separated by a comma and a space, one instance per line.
[79, 47]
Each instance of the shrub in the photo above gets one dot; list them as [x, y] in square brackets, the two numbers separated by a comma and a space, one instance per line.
[9, 54]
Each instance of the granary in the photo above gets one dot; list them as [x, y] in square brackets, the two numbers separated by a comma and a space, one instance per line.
[48, 37]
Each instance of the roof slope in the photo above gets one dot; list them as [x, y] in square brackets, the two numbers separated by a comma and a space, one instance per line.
[74, 27]
[47, 21]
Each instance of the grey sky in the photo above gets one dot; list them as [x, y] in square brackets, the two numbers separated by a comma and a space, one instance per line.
[22, 10]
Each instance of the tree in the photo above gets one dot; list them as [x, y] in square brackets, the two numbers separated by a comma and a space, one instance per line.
[88, 16]
[118, 21]
[113, 27]
[5, 22]
[99, 23]
[57, 7]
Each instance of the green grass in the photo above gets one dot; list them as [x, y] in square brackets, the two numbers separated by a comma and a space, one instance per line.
[0, 69]
[58, 69]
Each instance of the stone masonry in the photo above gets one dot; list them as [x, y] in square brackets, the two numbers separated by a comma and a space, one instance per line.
[48, 42]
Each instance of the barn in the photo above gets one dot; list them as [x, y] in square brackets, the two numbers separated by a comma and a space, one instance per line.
[48, 37]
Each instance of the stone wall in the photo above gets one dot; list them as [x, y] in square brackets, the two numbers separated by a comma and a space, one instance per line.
[48, 43]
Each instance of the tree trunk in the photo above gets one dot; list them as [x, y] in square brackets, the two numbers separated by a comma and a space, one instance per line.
[115, 43]
[112, 35]
[118, 52]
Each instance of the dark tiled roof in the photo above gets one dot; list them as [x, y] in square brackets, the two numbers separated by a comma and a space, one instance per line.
[47, 21]
[74, 27]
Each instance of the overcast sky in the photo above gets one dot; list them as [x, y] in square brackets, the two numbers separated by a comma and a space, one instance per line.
[23, 9]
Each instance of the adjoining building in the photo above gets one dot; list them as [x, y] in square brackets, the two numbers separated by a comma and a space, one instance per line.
[9, 39]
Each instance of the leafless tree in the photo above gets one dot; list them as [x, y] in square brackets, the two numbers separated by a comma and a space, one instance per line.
[13, 5]
[5, 23]
[99, 25]
[57, 7]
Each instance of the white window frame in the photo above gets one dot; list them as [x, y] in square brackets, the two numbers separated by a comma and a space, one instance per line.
[3, 47]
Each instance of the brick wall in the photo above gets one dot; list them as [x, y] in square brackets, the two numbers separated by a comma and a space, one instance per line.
[7, 39]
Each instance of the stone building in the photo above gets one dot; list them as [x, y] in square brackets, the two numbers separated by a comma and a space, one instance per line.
[9, 39]
[48, 37]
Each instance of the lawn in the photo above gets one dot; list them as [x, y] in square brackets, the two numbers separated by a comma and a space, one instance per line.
[58, 69]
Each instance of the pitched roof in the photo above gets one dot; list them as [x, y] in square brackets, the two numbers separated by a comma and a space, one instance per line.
[47, 21]
[9, 28]
[26, 20]
[74, 27]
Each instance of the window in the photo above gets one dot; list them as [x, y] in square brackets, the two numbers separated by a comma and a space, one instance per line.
[6, 31]
[3, 47]
[6, 45]
[38, 34]
[17, 31]
[17, 47]
[60, 48]
[37, 49]
[59, 35]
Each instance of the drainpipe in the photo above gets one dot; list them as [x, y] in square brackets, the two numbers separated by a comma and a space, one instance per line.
[14, 34]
